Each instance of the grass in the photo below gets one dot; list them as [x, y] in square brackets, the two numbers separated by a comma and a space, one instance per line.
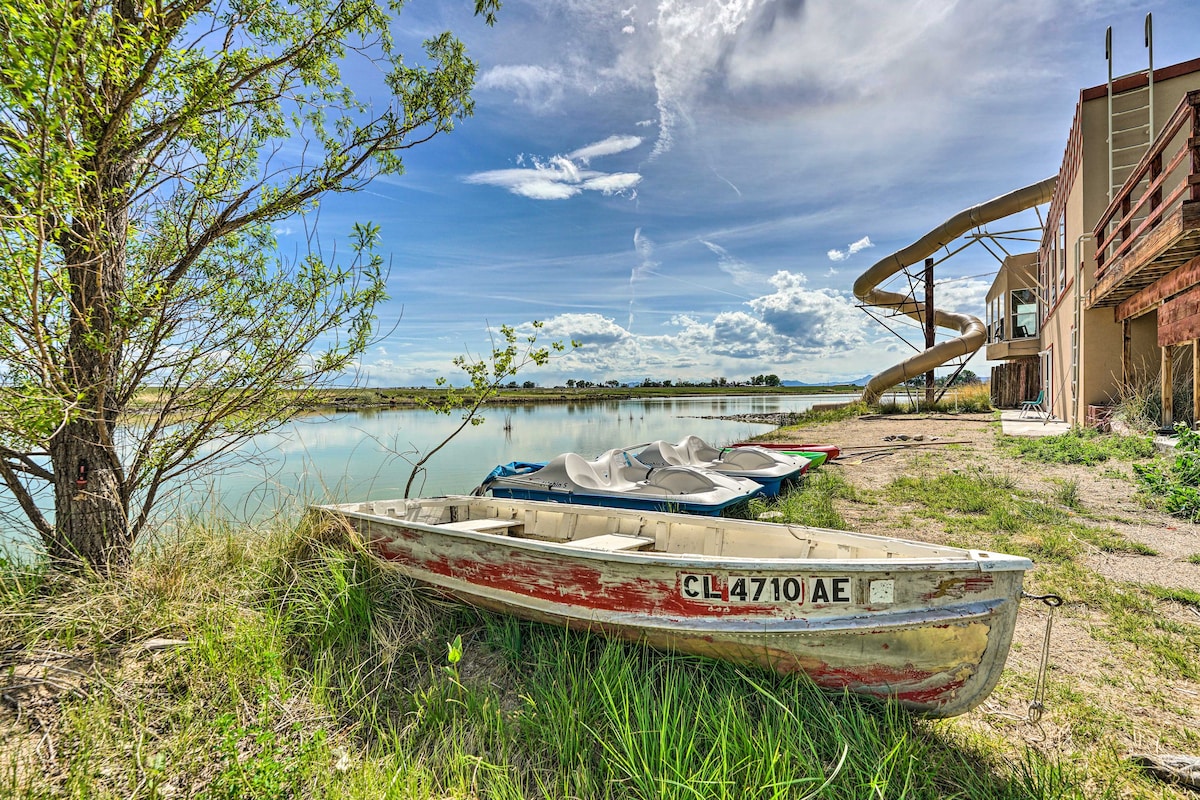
[973, 399]
[982, 501]
[812, 503]
[306, 669]
[1079, 446]
[982, 508]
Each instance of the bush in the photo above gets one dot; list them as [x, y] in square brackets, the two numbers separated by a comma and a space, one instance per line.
[1175, 485]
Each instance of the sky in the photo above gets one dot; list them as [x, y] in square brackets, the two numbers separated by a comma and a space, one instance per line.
[689, 188]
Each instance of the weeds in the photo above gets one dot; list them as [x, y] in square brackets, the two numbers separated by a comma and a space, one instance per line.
[1175, 485]
[1079, 446]
[981, 502]
[810, 504]
[825, 414]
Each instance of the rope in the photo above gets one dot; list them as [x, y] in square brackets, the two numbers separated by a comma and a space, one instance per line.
[1037, 705]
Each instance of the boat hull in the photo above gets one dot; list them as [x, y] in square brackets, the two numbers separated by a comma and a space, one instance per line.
[931, 633]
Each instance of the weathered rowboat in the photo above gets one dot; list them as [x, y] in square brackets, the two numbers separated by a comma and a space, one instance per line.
[927, 625]
[815, 459]
[831, 451]
[769, 468]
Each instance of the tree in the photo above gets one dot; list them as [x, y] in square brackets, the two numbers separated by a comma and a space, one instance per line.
[146, 153]
[484, 377]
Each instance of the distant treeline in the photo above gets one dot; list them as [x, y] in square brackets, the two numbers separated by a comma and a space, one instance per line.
[401, 397]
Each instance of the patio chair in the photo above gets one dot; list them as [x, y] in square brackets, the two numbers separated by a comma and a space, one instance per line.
[1033, 407]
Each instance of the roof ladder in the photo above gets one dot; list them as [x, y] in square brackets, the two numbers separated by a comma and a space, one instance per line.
[1130, 117]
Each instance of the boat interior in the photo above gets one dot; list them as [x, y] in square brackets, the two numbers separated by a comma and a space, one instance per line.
[616, 530]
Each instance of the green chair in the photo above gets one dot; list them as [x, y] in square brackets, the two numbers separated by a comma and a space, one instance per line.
[1033, 407]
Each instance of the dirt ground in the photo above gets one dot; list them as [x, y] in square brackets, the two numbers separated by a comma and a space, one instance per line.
[1101, 698]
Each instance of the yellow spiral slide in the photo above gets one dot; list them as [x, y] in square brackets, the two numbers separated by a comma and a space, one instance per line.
[972, 332]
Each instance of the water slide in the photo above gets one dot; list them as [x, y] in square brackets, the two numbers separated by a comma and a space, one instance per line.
[971, 329]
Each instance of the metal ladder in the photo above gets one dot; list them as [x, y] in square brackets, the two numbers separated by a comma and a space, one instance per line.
[1130, 118]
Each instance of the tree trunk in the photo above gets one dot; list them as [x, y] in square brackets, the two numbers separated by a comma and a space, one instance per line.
[90, 496]
[90, 517]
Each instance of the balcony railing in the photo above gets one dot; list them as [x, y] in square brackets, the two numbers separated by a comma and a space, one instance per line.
[1167, 177]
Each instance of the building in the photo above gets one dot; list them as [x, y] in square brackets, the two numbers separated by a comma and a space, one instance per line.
[1109, 305]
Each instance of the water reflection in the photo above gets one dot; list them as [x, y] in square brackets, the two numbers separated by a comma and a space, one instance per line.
[369, 455]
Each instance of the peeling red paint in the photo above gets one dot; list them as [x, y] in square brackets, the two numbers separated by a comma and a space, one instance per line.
[960, 586]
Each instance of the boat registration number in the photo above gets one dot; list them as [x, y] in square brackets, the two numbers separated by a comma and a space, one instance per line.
[767, 589]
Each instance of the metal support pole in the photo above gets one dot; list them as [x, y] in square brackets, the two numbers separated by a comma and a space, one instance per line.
[1126, 356]
[930, 331]
[1108, 57]
[1150, 74]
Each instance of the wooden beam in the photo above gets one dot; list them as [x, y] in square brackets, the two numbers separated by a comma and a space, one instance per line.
[1126, 356]
[1179, 318]
[1195, 381]
[1168, 389]
[1165, 287]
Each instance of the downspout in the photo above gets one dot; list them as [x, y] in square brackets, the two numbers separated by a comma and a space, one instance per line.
[1076, 356]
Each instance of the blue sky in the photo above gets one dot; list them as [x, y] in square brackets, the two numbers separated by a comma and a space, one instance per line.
[690, 187]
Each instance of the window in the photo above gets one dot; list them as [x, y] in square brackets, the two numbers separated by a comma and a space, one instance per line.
[1061, 251]
[1052, 275]
[1022, 307]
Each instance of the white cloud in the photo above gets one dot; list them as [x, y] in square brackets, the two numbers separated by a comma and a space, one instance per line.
[811, 321]
[615, 183]
[606, 147]
[562, 177]
[531, 85]
[645, 252]
[731, 266]
[965, 295]
[854, 247]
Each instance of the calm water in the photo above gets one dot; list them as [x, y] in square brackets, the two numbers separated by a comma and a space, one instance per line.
[369, 455]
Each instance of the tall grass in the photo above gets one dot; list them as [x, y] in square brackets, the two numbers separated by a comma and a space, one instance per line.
[811, 503]
[302, 667]
[971, 399]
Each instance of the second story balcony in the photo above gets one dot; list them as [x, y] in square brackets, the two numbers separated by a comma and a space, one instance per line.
[1152, 226]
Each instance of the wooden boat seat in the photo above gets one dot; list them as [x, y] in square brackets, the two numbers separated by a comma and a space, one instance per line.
[612, 542]
[482, 525]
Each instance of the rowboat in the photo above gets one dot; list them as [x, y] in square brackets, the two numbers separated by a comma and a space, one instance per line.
[831, 451]
[617, 480]
[927, 625]
[766, 467]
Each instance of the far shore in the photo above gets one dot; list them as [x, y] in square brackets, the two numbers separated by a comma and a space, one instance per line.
[409, 397]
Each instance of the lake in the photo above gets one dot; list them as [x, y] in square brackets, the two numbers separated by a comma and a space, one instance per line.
[368, 455]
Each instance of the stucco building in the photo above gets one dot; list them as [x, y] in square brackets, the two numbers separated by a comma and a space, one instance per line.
[1109, 305]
